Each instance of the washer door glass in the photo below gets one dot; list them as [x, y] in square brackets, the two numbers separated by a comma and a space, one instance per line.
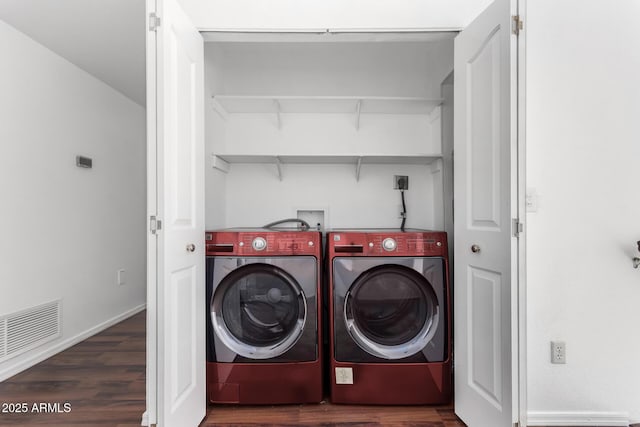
[391, 311]
[259, 311]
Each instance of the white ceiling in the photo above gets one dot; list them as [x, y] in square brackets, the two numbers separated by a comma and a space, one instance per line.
[106, 38]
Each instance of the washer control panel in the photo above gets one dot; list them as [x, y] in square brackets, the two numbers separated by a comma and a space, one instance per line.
[263, 242]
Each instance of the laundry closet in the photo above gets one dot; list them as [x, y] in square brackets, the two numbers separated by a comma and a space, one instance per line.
[247, 128]
[334, 131]
[317, 126]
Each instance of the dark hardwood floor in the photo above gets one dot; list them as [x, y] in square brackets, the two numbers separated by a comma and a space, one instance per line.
[102, 381]
[329, 415]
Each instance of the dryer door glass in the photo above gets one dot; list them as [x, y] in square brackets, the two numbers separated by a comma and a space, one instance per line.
[259, 311]
[391, 311]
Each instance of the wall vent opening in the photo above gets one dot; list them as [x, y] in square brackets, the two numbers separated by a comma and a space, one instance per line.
[27, 329]
[3, 338]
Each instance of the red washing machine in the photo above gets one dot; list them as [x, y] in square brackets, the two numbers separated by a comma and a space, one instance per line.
[390, 317]
[263, 322]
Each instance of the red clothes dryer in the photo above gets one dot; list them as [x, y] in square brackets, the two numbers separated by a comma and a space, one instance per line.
[390, 317]
[263, 317]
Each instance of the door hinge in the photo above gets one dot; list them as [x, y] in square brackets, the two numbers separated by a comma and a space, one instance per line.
[154, 22]
[154, 224]
[516, 24]
[516, 227]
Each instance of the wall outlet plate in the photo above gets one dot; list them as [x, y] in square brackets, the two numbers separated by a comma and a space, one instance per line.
[400, 182]
[558, 352]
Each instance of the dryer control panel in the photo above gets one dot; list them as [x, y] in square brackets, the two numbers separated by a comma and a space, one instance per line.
[393, 243]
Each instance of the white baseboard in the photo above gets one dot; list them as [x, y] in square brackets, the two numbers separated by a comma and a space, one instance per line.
[145, 419]
[587, 418]
[38, 356]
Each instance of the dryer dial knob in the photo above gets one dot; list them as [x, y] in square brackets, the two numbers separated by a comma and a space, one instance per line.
[259, 244]
[389, 244]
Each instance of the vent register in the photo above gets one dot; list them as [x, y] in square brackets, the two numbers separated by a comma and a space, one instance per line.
[27, 329]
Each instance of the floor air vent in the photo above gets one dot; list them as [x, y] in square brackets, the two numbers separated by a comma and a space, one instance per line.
[27, 329]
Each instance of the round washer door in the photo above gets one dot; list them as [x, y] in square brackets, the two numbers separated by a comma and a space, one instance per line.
[258, 311]
[391, 311]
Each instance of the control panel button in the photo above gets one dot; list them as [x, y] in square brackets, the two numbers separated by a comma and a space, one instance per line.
[389, 244]
[259, 244]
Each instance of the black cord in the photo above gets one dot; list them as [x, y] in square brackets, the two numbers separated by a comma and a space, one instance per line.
[304, 224]
[404, 211]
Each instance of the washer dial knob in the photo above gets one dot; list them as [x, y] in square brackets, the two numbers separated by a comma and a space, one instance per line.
[259, 244]
[389, 244]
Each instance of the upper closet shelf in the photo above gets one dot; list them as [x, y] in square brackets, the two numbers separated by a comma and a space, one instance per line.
[226, 104]
[222, 161]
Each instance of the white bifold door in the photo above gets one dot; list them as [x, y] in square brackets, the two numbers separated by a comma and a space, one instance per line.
[485, 206]
[176, 348]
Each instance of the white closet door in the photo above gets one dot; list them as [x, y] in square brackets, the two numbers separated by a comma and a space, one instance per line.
[485, 147]
[180, 283]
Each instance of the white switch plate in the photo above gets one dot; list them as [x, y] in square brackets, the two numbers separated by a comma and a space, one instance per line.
[120, 278]
[531, 200]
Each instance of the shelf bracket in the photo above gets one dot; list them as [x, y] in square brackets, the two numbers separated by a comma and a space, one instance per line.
[220, 164]
[358, 165]
[358, 106]
[276, 104]
[218, 108]
[279, 166]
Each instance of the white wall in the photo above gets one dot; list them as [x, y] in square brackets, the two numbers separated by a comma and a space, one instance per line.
[583, 152]
[252, 195]
[335, 14]
[65, 230]
[409, 69]
[400, 134]
[255, 195]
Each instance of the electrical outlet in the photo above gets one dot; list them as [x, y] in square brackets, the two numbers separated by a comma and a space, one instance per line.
[558, 352]
[400, 182]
